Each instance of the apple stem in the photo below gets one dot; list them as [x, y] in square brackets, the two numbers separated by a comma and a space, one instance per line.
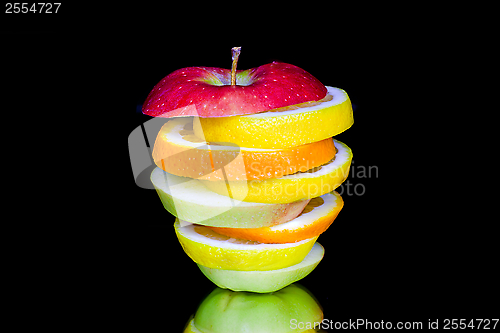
[235, 51]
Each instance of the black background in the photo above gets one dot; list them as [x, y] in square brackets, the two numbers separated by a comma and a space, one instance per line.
[397, 252]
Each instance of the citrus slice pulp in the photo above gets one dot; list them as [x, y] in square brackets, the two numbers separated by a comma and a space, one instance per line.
[317, 216]
[207, 248]
[179, 151]
[290, 188]
[285, 127]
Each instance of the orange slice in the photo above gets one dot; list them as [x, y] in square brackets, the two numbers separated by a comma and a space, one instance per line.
[317, 216]
[290, 188]
[289, 126]
[178, 151]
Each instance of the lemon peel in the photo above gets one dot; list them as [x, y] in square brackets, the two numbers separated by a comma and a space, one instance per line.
[284, 127]
[221, 252]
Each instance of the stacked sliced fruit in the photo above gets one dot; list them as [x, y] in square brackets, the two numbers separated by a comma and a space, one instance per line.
[252, 192]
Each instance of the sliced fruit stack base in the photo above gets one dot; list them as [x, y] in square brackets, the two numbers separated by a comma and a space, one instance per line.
[262, 259]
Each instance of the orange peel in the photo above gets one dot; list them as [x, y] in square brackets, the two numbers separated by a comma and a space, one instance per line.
[179, 151]
[316, 217]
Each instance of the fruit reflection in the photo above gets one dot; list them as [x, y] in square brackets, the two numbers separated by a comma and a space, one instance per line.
[291, 309]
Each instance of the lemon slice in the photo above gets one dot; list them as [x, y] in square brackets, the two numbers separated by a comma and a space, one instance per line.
[284, 127]
[178, 151]
[209, 249]
[290, 188]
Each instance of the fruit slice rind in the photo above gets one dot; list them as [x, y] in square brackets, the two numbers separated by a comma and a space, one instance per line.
[316, 218]
[338, 95]
[173, 129]
[190, 201]
[265, 281]
[282, 129]
[188, 229]
[290, 188]
[233, 256]
[343, 156]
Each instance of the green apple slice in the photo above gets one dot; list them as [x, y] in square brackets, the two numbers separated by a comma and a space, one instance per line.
[226, 311]
[190, 201]
[265, 281]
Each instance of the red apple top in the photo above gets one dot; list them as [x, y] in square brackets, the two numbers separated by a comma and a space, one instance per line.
[207, 91]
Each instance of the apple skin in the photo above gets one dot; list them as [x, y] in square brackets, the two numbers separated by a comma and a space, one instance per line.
[207, 91]
[226, 311]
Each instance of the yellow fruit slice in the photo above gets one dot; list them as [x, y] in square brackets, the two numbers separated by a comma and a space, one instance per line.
[290, 126]
[289, 188]
[178, 151]
[316, 217]
[213, 250]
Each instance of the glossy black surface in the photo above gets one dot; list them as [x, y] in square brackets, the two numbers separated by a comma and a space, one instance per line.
[402, 248]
